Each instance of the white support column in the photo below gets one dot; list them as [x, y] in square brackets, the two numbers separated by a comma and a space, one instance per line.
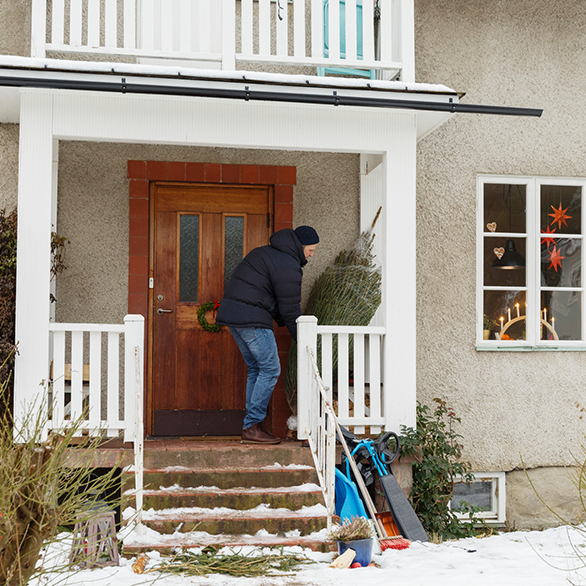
[33, 265]
[400, 279]
[306, 336]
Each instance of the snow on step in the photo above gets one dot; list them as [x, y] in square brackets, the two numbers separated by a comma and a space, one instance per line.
[138, 539]
[264, 510]
[176, 488]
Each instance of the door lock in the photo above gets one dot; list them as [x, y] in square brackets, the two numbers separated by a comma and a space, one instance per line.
[162, 311]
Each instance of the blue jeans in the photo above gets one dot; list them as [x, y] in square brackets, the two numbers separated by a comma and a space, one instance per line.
[259, 350]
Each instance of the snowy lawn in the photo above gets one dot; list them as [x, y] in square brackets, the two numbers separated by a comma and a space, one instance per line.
[537, 558]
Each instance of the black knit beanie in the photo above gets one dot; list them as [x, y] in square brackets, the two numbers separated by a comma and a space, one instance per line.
[306, 235]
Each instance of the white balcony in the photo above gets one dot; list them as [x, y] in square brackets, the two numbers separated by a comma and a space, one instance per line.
[374, 37]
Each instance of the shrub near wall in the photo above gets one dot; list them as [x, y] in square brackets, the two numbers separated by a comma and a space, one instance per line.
[7, 295]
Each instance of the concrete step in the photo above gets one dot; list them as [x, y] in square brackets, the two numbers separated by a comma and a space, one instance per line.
[224, 478]
[223, 454]
[235, 522]
[241, 498]
[202, 493]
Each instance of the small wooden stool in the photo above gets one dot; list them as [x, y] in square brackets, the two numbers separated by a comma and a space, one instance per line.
[95, 543]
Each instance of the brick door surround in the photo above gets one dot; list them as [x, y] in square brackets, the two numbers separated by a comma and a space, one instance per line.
[141, 173]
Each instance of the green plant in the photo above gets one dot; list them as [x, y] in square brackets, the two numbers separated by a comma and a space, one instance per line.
[58, 244]
[487, 323]
[353, 530]
[438, 453]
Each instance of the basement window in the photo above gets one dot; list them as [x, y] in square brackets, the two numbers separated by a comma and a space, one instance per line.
[486, 492]
[530, 264]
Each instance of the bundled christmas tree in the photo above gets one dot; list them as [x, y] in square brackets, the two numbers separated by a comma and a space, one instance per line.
[346, 293]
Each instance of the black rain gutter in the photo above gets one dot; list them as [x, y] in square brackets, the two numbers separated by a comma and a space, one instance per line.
[252, 95]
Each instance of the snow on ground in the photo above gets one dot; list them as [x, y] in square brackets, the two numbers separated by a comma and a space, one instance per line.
[538, 558]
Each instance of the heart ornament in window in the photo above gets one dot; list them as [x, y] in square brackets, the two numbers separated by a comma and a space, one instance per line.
[499, 252]
[491, 226]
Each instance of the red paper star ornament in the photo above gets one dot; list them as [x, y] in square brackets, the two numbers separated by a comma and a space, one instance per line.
[547, 240]
[559, 216]
[555, 258]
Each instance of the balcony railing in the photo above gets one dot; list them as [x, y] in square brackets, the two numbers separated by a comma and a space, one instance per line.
[367, 35]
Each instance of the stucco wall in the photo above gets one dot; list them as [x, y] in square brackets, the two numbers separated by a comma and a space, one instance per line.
[93, 214]
[15, 27]
[525, 53]
[8, 166]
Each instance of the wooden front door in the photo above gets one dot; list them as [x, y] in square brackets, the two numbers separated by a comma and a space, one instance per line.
[200, 233]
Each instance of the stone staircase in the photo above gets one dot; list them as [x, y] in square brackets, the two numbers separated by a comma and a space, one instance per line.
[223, 492]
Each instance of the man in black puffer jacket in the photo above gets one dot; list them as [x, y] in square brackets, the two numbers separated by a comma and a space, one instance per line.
[265, 286]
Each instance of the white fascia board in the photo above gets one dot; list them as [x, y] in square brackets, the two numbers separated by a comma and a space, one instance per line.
[223, 123]
[274, 83]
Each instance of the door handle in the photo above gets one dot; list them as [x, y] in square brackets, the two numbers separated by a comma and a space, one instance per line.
[162, 311]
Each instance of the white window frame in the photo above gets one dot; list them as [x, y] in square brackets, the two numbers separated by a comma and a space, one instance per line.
[533, 258]
[498, 513]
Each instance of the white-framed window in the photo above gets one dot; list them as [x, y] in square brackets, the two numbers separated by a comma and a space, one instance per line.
[530, 263]
[486, 492]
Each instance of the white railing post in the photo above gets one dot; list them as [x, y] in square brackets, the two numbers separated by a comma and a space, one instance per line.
[133, 398]
[38, 28]
[229, 35]
[133, 337]
[306, 338]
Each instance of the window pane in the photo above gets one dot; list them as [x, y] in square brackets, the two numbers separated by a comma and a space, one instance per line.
[504, 208]
[561, 209]
[561, 262]
[561, 315]
[478, 494]
[495, 248]
[188, 258]
[234, 246]
[505, 314]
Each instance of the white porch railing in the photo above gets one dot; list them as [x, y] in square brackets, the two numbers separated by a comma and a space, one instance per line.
[92, 366]
[317, 33]
[358, 401]
[356, 387]
[320, 429]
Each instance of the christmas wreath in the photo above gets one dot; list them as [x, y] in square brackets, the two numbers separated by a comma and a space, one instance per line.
[201, 316]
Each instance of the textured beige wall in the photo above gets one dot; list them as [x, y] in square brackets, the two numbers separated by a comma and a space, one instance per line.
[544, 497]
[528, 53]
[15, 27]
[8, 166]
[93, 214]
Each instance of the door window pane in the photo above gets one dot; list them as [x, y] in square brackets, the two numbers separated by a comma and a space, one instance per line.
[188, 258]
[234, 245]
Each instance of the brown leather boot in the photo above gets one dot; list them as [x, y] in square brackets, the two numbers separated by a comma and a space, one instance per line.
[255, 435]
